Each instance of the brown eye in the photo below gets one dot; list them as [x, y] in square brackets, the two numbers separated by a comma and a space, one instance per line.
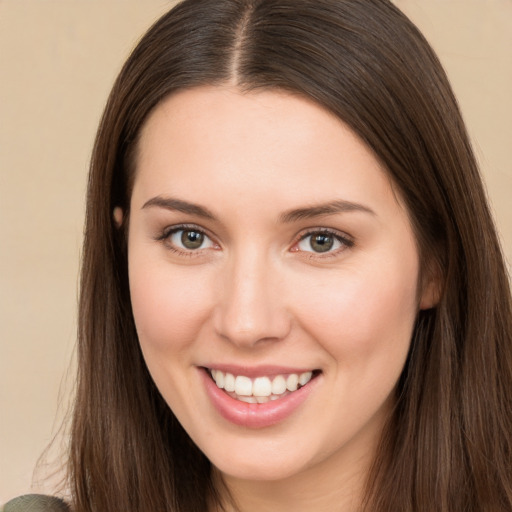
[188, 239]
[321, 242]
[192, 239]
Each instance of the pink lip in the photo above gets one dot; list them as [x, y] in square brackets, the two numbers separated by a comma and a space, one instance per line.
[255, 415]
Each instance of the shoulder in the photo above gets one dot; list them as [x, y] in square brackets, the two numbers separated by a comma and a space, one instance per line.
[35, 503]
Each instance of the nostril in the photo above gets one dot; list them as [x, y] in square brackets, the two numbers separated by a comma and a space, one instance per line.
[249, 308]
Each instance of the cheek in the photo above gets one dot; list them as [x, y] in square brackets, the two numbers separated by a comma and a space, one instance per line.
[363, 314]
[168, 307]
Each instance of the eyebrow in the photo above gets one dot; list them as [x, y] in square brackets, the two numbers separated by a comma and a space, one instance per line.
[309, 212]
[170, 203]
[319, 210]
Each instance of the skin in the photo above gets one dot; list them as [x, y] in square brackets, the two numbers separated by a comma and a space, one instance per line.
[257, 293]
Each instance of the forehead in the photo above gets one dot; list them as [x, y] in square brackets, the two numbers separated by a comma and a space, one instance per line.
[266, 144]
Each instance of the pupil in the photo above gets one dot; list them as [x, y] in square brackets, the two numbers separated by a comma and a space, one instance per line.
[321, 242]
[192, 239]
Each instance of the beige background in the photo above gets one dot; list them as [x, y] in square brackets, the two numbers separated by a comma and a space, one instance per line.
[58, 60]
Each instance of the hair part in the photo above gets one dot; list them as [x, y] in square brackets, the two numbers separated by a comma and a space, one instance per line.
[447, 446]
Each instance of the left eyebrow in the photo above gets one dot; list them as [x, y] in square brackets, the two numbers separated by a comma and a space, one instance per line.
[319, 210]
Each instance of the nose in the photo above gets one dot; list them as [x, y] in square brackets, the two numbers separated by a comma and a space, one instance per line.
[251, 308]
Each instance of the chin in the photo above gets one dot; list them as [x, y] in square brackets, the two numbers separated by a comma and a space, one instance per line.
[256, 470]
[276, 458]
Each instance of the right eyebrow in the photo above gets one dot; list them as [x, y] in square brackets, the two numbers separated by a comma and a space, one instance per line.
[171, 203]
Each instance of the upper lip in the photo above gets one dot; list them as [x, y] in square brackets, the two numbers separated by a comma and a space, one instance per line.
[258, 371]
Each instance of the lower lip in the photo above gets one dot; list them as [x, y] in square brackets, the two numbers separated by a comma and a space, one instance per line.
[255, 415]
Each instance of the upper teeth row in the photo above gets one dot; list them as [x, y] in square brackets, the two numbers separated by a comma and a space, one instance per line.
[260, 386]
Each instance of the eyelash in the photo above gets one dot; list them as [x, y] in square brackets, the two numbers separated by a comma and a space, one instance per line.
[167, 233]
[344, 240]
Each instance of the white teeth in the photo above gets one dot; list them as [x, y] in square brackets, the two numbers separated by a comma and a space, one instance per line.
[292, 382]
[219, 379]
[278, 385]
[305, 378]
[261, 389]
[243, 385]
[248, 399]
[229, 382]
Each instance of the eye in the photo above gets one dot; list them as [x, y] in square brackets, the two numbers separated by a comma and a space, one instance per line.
[188, 239]
[322, 242]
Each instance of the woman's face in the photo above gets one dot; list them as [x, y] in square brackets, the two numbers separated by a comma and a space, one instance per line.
[267, 247]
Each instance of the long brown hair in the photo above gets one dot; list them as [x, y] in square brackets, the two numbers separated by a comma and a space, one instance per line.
[448, 445]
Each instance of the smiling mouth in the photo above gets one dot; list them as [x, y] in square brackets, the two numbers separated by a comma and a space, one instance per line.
[263, 389]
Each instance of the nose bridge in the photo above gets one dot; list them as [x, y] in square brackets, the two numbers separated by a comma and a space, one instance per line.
[250, 308]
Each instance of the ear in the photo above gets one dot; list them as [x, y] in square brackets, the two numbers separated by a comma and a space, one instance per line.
[431, 289]
[118, 215]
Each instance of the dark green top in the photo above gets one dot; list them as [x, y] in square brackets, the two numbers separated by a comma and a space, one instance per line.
[35, 503]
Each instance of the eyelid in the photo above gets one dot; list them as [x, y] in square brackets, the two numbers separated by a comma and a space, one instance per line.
[345, 239]
[167, 232]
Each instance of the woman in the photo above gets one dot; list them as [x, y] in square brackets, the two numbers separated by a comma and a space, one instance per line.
[284, 209]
